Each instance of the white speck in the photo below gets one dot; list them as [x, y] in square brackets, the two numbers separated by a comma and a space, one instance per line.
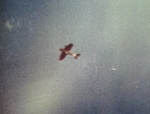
[114, 69]
[8, 25]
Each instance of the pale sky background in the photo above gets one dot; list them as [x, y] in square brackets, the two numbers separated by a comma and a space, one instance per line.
[112, 75]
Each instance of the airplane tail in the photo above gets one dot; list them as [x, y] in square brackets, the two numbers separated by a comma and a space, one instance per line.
[77, 55]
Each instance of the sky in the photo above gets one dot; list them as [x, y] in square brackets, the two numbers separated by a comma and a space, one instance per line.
[111, 76]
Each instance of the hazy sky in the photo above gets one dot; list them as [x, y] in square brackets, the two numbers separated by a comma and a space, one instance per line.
[111, 76]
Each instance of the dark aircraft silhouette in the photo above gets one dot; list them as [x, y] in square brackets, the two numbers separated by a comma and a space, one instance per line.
[66, 51]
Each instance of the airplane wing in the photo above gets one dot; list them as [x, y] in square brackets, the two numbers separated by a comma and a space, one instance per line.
[62, 56]
[68, 47]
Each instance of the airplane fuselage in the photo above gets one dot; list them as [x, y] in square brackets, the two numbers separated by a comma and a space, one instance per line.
[68, 52]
